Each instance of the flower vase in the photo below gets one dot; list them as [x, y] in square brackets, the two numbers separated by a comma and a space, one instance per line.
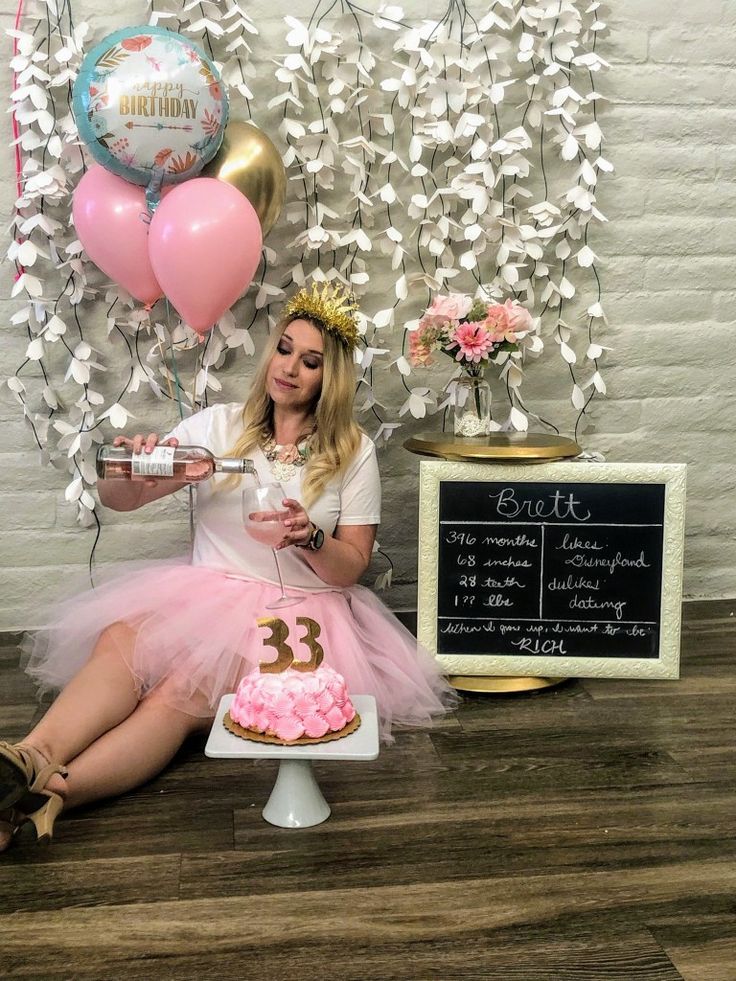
[472, 406]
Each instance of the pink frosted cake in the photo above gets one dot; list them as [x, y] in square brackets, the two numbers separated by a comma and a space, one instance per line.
[292, 707]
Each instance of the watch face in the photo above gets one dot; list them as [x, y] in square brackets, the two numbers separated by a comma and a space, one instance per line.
[318, 539]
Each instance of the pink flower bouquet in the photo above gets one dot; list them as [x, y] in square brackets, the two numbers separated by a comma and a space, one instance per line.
[471, 332]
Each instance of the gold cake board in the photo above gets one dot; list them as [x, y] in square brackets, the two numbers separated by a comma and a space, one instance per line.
[262, 737]
[498, 685]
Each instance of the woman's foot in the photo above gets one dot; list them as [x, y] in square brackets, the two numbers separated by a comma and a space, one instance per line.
[31, 789]
[11, 821]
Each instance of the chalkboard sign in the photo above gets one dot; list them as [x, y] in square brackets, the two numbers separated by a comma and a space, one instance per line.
[566, 568]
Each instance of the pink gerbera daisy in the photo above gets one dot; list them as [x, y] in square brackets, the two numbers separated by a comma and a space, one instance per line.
[473, 341]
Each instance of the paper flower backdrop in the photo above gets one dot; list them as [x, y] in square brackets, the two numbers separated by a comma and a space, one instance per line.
[457, 153]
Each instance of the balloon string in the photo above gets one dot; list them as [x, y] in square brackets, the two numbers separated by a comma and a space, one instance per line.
[173, 360]
[16, 135]
[204, 380]
[179, 390]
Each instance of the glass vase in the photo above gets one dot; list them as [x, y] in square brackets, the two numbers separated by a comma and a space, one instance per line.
[472, 406]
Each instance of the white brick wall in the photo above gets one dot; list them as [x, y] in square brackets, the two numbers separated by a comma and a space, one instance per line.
[668, 262]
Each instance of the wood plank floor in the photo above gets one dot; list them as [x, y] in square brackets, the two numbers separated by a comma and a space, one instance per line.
[584, 832]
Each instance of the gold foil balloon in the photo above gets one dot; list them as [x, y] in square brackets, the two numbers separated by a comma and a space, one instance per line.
[249, 161]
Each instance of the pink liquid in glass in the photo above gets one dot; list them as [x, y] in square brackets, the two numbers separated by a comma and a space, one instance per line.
[267, 532]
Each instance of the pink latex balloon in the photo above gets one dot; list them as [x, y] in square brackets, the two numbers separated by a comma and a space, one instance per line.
[108, 218]
[205, 246]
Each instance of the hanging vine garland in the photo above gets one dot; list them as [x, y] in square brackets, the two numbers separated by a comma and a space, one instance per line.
[460, 153]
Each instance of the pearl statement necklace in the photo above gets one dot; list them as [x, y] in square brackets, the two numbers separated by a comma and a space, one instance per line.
[284, 460]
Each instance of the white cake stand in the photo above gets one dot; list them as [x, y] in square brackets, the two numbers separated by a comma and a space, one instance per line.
[296, 800]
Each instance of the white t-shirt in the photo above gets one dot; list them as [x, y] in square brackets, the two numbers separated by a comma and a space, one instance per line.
[221, 542]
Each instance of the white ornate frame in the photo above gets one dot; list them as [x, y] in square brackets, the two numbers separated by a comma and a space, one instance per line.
[666, 665]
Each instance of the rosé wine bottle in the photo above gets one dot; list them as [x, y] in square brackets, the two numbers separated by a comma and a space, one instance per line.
[178, 464]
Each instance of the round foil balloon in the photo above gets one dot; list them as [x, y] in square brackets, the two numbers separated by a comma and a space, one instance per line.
[150, 105]
[249, 161]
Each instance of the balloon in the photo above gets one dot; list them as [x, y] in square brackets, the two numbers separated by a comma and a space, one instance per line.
[109, 218]
[150, 105]
[249, 161]
[205, 246]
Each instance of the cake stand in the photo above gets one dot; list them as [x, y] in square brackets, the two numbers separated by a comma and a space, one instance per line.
[296, 800]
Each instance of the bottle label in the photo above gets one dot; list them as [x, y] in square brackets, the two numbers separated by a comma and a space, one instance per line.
[158, 463]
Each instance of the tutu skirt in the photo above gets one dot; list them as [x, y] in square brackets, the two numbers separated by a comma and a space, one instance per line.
[194, 634]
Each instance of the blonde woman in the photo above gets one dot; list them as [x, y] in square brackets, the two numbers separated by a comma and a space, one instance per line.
[141, 661]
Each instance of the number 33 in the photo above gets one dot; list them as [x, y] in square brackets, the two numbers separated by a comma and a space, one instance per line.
[278, 639]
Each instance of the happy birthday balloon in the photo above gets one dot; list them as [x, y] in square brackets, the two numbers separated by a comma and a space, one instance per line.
[150, 105]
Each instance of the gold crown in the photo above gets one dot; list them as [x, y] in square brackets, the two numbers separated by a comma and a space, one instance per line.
[334, 307]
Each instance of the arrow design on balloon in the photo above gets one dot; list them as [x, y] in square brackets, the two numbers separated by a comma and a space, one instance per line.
[132, 125]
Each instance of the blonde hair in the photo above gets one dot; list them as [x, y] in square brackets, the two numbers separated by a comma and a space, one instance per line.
[336, 438]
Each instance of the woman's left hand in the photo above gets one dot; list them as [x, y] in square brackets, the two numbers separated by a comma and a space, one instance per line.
[298, 525]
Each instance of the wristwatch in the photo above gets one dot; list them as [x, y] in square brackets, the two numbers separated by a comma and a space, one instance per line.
[316, 539]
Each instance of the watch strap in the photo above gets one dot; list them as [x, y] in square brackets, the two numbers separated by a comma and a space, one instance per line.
[312, 535]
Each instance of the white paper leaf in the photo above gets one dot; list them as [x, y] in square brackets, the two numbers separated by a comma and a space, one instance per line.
[586, 257]
[570, 148]
[74, 490]
[567, 353]
[383, 318]
[518, 420]
[578, 397]
[117, 414]
[600, 385]
[35, 350]
[49, 397]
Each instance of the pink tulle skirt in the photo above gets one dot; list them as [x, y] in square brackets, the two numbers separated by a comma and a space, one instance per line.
[194, 635]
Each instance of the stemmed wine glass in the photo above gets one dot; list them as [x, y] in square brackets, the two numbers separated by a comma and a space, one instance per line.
[267, 498]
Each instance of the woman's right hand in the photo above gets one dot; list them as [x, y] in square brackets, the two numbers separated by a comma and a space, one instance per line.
[144, 444]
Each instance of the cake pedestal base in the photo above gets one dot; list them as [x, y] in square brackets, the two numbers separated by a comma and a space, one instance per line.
[296, 800]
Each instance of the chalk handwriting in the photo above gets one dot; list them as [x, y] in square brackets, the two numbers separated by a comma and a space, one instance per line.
[560, 506]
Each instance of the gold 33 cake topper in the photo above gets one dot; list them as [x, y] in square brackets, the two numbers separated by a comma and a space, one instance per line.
[285, 655]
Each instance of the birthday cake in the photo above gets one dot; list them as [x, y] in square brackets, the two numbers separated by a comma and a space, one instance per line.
[292, 702]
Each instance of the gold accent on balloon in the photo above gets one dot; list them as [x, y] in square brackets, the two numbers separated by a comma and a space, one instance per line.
[332, 305]
[249, 161]
[279, 634]
[309, 640]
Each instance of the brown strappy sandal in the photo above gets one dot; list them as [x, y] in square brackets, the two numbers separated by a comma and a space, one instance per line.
[23, 794]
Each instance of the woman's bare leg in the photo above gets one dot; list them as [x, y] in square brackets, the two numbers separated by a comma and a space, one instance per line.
[97, 698]
[100, 696]
[127, 755]
[131, 753]
[109, 739]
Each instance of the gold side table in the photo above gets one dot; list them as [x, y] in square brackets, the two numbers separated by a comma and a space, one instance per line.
[506, 448]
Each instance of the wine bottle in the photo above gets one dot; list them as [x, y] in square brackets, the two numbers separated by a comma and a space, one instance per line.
[178, 464]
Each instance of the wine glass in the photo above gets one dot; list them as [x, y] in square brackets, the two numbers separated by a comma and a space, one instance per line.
[268, 498]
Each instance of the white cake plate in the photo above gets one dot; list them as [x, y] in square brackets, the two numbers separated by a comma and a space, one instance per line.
[296, 800]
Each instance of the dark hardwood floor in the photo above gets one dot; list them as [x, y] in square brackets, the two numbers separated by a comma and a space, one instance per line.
[584, 832]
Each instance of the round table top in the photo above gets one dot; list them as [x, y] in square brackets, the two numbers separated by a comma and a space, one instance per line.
[496, 448]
